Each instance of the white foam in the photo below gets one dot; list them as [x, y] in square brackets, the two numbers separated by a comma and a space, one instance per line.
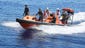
[77, 28]
[79, 16]
[62, 29]
[10, 24]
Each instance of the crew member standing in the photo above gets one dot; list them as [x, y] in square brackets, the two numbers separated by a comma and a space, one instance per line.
[26, 10]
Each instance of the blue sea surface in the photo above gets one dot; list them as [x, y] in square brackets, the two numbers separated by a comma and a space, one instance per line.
[11, 37]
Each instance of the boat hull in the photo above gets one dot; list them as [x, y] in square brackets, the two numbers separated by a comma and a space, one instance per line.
[28, 24]
[25, 24]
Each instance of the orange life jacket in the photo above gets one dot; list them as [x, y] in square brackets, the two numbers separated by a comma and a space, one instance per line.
[48, 19]
[58, 20]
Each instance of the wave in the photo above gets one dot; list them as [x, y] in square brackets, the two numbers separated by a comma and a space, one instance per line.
[10, 24]
[79, 17]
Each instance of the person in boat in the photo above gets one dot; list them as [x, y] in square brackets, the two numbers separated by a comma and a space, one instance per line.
[70, 14]
[58, 12]
[40, 13]
[46, 13]
[64, 17]
[26, 10]
[58, 16]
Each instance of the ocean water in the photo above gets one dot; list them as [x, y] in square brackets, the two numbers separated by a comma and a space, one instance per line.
[12, 35]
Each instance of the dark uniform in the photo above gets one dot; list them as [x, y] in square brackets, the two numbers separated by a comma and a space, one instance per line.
[65, 17]
[26, 10]
[40, 13]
